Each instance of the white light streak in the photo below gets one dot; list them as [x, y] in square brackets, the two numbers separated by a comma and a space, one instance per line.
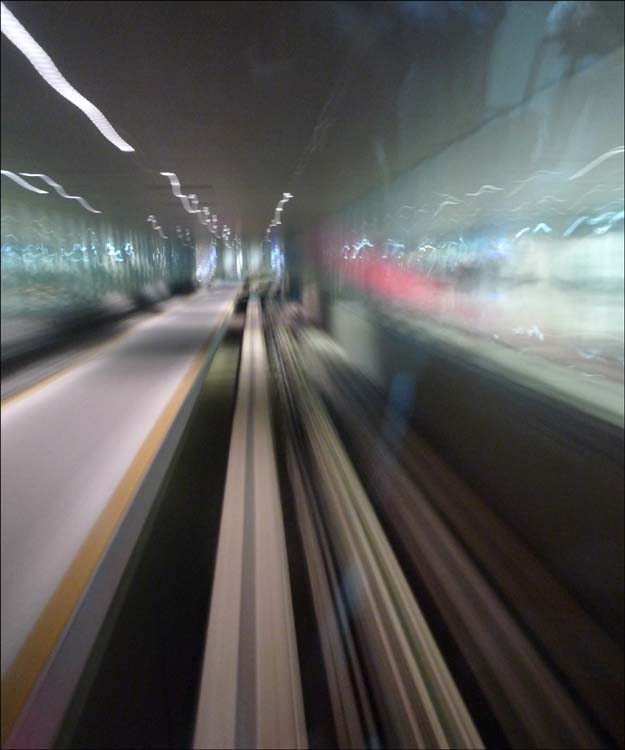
[175, 183]
[550, 199]
[175, 189]
[599, 160]
[602, 217]
[485, 189]
[446, 203]
[21, 182]
[615, 218]
[152, 219]
[542, 228]
[520, 184]
[277, 213]
[43, 64]
[569, 230]
[61, 191]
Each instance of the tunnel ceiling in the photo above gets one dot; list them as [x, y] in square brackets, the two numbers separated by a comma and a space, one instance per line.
[244, 100]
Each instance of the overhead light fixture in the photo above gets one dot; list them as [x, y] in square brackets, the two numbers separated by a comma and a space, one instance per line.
[175, 189]
[43, 64]
[60, 190]
[22, 183]
[174, 182]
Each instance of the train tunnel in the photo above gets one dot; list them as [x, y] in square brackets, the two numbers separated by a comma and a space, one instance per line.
[312, 390]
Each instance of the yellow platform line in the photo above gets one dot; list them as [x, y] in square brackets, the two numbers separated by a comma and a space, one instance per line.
[40, 642]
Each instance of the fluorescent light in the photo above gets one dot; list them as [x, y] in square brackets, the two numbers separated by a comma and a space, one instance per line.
[61, 191]
[175, 184]
[21, 182]
[175, 189]
[43, 64]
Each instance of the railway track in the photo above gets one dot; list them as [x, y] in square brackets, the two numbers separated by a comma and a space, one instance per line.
[250, 692]
[527, 645]
[362, 596]
[388, 682]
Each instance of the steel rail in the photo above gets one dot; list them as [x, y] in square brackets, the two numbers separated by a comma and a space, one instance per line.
[429, 513]
[250, 694]
[415, 695]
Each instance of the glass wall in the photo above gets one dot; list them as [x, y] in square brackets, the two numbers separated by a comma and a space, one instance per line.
[57, 265]
[513, 232]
